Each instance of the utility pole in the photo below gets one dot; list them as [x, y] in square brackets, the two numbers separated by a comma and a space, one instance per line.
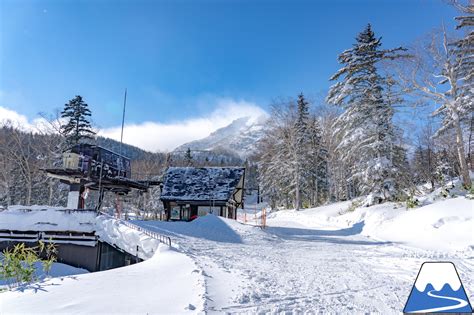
[123, 120]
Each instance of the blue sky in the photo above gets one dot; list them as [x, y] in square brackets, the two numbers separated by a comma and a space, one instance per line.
[184, 60]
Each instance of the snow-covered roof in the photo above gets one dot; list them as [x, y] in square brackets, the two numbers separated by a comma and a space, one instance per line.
[201, 183]
[44, 218]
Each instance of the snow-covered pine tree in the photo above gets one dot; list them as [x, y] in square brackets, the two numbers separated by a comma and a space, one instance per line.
[365, 127]
[403, 177]
[317, 166]
[424, 166]
[292, 163]
[274, 165]
[77, 127]
[300, 150]
[393, 93]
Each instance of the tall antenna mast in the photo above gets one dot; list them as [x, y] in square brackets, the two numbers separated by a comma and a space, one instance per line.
[123, 119]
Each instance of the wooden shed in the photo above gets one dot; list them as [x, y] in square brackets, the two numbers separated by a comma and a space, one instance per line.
[196, 191]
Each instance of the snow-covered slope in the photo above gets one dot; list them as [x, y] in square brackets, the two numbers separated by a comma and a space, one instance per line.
[446, 225]
[239, 137]
[144, 288]
[168, 283]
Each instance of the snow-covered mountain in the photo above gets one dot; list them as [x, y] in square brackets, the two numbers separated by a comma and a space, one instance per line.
[239, 137]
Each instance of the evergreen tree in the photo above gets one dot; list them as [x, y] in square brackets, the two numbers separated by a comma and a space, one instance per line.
[424, 166]
[77, 127]
[292, 158]
[317, 163]
[276, 166]
[300, 151]
[365, 128]
[403, 176]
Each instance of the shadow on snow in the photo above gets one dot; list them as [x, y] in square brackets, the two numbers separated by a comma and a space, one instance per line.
[328, 236]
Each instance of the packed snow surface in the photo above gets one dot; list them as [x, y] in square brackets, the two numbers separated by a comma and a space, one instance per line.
[326, 259]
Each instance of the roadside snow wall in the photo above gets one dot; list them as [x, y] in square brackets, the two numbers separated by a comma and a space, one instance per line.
[108, 229]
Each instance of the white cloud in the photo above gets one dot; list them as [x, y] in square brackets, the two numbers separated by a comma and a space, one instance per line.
[8, 115]
[12, 118]
[154, 136]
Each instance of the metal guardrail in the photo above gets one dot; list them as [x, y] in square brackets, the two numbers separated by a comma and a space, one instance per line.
[160, 237]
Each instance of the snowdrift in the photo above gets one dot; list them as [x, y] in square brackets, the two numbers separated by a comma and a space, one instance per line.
[150, 287]
[445, 225]
[209, 227]
[132, 241]
[167, 282]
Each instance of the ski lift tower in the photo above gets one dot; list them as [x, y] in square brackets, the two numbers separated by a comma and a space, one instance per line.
[90, 167]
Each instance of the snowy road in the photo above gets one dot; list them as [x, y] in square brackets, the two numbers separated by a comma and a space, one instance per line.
[294, 268]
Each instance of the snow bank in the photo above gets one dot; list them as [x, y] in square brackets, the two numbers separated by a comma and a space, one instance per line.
[44, 218]
[320, 217]
[445, 225]
[115, 232]
[215, 228]
[209, 227]
[168, 283]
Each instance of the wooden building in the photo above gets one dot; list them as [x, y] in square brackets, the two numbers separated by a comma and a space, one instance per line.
[196, 191]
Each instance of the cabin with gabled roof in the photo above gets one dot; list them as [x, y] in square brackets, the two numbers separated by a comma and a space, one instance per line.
[189, 192]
